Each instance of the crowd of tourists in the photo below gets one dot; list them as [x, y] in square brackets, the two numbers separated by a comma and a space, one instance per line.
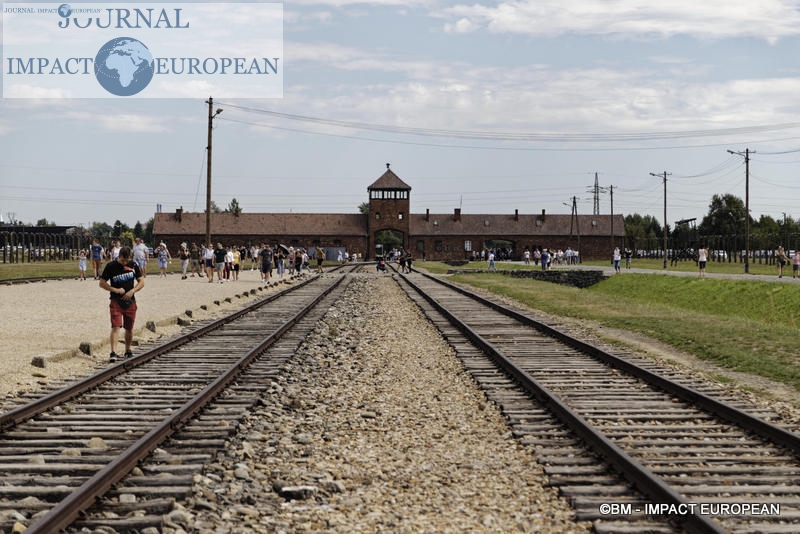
[215, 262]
[538, 256]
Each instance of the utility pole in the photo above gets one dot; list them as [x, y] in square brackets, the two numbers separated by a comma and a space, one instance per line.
[785, 233]
[746, 155]
[211, 115]
[574, 219]
[665, 213]
[611, 193]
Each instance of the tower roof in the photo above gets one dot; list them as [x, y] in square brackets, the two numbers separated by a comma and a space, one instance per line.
[389, 180]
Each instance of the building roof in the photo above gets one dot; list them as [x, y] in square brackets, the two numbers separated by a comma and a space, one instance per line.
[510, 225]
[346, 224]
[389, 180]
[300, 224]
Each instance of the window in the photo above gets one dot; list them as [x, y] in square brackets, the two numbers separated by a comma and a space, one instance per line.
[437, 245]
[377, 215]
[400, 216]
[486, 222]
[468, 245]
[436, 223]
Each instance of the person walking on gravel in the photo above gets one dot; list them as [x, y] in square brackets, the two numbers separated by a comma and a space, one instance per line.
[164, 257]
[122, 279]
[320, 254]
[98, 252]
[219, 262]
[266, 263]
[82, 264]
[140, 255]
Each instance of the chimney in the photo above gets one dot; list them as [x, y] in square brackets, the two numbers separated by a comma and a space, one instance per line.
[516, 214]
[179, 214]
[542, 215]
[427, 214]
[457, 214]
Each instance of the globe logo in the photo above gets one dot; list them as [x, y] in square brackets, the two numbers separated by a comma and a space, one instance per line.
[123, 66]
[64, 10]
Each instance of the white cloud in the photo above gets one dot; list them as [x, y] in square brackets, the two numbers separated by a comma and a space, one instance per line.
[130, 123]
[14, 90]
[114, 122]
[462, 25]
[767, 19]
[546, 100]
[188, 89]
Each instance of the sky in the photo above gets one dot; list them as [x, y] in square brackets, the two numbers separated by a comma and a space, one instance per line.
[486, 106]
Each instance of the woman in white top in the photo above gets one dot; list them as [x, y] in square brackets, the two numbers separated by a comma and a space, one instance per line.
[702, 258]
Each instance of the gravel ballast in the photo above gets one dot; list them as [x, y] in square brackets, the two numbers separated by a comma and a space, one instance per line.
[375, 426]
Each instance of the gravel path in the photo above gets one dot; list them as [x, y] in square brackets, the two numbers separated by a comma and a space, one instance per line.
[376, 427]
[49, 320]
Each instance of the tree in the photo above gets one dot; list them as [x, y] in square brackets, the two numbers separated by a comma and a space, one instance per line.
[119, 229]
[126, 238]
[148, 230]
[233, 207]
[215, 208]
[44, 222]
[138, 231]
[389, 239]
[726, 216]
[642, 226]
[767, 225]
[101, 230]
[363, 208]
[642, 232]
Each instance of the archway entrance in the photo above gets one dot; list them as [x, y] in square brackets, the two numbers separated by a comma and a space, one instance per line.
[387, 240]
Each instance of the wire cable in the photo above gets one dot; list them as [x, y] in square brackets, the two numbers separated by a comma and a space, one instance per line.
[516, 136]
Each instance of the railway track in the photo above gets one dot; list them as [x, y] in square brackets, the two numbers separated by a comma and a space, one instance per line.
[634, 450]
[118, 448]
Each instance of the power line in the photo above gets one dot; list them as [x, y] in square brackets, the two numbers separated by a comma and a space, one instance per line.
[517, 136]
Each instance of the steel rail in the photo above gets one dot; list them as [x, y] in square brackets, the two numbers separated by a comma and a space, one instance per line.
[647, 482]
[765, 429]
[22, 413]
[70, 508]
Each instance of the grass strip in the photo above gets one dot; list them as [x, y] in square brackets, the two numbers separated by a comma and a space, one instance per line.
[745, 326]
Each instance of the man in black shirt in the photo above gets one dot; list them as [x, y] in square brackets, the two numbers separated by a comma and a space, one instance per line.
[122, 278]
[266, 262]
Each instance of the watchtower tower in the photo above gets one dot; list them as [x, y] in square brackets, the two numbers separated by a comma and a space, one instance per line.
[389, 203]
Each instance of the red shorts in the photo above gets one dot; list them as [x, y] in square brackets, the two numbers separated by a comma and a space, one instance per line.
[120, 316]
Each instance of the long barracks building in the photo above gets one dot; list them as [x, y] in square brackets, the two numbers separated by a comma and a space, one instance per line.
[432, 236]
